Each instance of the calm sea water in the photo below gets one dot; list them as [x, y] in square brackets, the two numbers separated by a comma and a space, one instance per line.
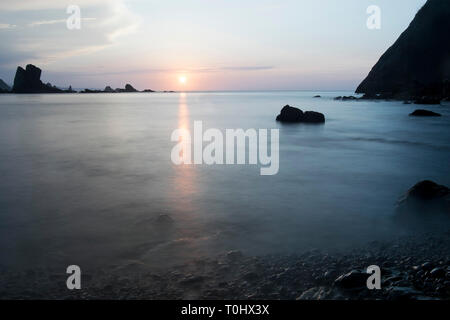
[84, 178]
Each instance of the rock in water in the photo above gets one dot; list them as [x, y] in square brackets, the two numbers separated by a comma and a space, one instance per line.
[313, 117]
[426, 197]
[290, 114]
[28, 80]
[418, 63]
[295, 115]
[129, 88]
[424, 113]
[108, 89]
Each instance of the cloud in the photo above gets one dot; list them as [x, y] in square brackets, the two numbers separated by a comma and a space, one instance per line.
[40, 35]
[33, 5]
[47, 22]
[248, 68]
[7, 26]
[172, 70]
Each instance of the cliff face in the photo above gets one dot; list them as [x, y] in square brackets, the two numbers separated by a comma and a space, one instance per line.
[418, 63]
[28, 80]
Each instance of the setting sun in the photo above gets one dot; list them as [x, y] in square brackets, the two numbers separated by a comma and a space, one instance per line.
[182, 79]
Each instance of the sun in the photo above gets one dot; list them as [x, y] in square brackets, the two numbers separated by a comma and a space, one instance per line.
[182, 79]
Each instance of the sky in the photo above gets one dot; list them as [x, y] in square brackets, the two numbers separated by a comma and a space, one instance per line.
[213, 44]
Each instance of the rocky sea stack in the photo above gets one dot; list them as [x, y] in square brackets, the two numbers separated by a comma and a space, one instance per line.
[417, 65]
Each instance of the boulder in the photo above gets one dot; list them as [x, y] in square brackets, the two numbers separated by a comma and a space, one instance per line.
[425, 198]
[313, 117]
[424, 113]
[108, 89]
[355, 279]
[294, 115]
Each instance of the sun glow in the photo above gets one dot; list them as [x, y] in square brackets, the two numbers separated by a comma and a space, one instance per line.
[182, 79]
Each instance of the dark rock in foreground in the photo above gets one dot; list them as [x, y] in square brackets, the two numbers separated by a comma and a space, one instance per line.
[425, 198]
[28, 80]
[424, 113]
[417, 64]
[355, 279]
[294, 115]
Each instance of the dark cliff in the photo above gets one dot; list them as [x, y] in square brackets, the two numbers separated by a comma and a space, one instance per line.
[418, 63]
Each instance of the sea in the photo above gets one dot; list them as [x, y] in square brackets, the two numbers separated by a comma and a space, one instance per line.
[88, 179]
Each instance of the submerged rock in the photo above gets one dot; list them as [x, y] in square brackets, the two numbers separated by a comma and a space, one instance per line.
[424, 113]
[295, 115]
[426, 197]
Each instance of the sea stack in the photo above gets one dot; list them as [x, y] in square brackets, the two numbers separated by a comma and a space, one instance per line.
[418, 64]
[28, 80]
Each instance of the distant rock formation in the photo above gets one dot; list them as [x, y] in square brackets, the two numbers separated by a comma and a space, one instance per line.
[4, 88]
[418, 63]
[424, 113]
[128, 88]
[295, 115]
[346, 98]
[108, 89]
[28, 80]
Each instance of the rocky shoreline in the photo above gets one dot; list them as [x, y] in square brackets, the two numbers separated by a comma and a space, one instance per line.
[416, 268]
